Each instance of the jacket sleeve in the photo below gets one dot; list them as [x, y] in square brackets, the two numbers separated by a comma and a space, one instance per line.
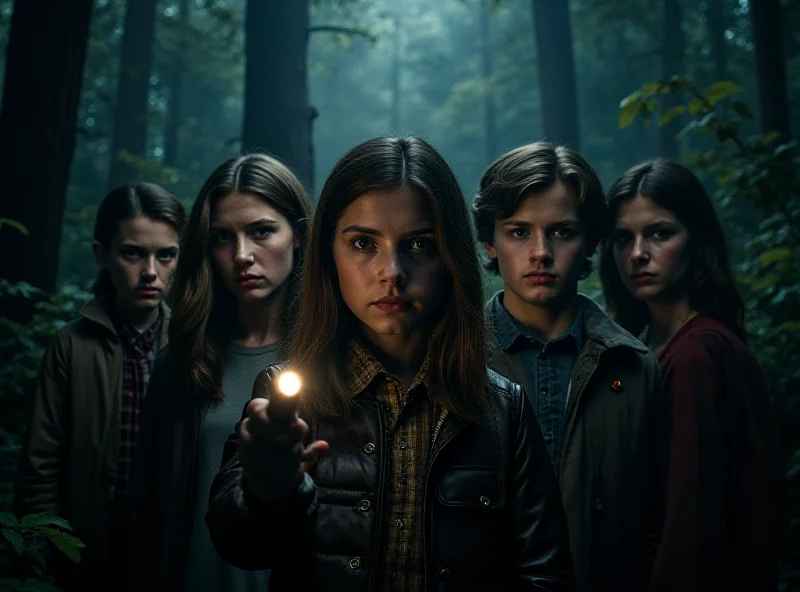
[541, 557]
[250, 533]
[42, 466]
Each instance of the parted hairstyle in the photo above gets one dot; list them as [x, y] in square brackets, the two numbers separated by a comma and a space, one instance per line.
[204, 309]
[458, 377]
[141, 199]
[710, 285]
[531, 169]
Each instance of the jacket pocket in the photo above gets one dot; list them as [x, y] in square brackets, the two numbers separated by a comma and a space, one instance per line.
[471, 487]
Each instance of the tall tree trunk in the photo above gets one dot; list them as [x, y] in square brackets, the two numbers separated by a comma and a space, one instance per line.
[551, 23]
[489, 126]
[672, 48]
[172, 127]
[773, 107]
[716, 22]
[44, 65]
[277, 116]
[396, 67]
[133, 86]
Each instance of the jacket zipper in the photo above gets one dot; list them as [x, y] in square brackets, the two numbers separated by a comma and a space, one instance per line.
[438, 427]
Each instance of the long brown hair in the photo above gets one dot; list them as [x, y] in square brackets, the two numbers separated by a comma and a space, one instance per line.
[458, 378]
[711, 287]
[204, 308]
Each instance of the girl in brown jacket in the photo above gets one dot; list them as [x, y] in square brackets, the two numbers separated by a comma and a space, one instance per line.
[82, 434]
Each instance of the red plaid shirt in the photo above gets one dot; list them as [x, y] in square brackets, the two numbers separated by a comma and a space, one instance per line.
[139, 351]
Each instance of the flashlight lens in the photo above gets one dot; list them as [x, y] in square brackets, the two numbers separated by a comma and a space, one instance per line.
[289, 384]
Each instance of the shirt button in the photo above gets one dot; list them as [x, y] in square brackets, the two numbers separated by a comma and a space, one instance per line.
[354, 563]
[369, 448]
[399, 523]
[364, 505]
[485, 501]
[443, 573]
[403, 445]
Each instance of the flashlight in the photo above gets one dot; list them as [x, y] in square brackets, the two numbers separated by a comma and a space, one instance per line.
[283, 402]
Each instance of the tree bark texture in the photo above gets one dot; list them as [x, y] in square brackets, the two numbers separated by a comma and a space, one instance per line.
[277, 116]
[672, 50]
[173, 123]
[43, 72]
[773, 107]
[489, 125]
[555, 55]
[133, 87]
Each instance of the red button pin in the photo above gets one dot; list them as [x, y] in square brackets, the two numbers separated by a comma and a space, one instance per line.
[616, 386]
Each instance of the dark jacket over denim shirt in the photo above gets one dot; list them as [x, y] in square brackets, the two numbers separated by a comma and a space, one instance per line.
[613, 459]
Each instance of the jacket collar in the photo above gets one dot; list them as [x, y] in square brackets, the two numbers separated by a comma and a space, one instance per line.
[599, 330]
[99, 311]
[603, 331]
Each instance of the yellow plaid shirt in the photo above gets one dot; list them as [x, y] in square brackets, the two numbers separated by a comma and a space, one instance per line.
[412, 421]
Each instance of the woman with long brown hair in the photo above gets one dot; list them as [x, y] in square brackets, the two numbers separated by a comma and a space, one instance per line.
[423, 467]
[667, 275]
[234, 299]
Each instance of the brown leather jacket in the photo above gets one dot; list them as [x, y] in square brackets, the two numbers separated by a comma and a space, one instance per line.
[492, 521]
[613, 463]
[69, 461]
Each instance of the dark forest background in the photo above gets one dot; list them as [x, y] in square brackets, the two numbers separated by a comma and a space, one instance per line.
[97, 93]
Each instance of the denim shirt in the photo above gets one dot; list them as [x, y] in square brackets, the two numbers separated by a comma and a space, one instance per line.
[548, 368]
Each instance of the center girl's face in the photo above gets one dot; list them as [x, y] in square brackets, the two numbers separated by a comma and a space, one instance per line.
[252, 246]
[391, 274]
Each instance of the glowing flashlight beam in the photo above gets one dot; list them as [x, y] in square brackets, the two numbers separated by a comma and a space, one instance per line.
[289, 383]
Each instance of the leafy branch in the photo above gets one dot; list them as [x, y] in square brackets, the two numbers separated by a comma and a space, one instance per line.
[23, 549]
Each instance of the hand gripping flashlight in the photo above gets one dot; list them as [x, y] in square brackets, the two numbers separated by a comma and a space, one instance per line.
[283, 402]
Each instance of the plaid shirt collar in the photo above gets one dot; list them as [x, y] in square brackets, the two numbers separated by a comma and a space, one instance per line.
[362, 368]
[135, 341]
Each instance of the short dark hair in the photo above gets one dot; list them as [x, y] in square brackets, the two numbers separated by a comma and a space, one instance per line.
[712, 288]
[141, 199]
[534, 168]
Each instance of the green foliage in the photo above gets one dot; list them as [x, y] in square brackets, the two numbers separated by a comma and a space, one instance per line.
[13, 224]
[21, 348]
[26, 546]
[753, 175]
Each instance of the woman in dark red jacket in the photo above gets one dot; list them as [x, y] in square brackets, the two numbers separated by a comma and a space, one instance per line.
[667, 276]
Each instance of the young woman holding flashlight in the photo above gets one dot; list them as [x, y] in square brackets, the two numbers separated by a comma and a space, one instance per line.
[409, 465]
[234, 296]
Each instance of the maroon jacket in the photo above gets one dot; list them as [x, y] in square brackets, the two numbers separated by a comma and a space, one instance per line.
[723, 494]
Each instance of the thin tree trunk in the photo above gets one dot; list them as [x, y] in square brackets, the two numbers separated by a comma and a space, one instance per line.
[770, 68]
[551, 22]
[44, 65]
[133, 86]
[277, 116]
[396, 67]
[716, 22]
[672, 49]
[489, 125]
[172, 127]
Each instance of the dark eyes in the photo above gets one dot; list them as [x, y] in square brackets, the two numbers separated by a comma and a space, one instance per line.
[135, 253]
[620, 237]
[560, 232]
[364, 243]
[220, 236]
